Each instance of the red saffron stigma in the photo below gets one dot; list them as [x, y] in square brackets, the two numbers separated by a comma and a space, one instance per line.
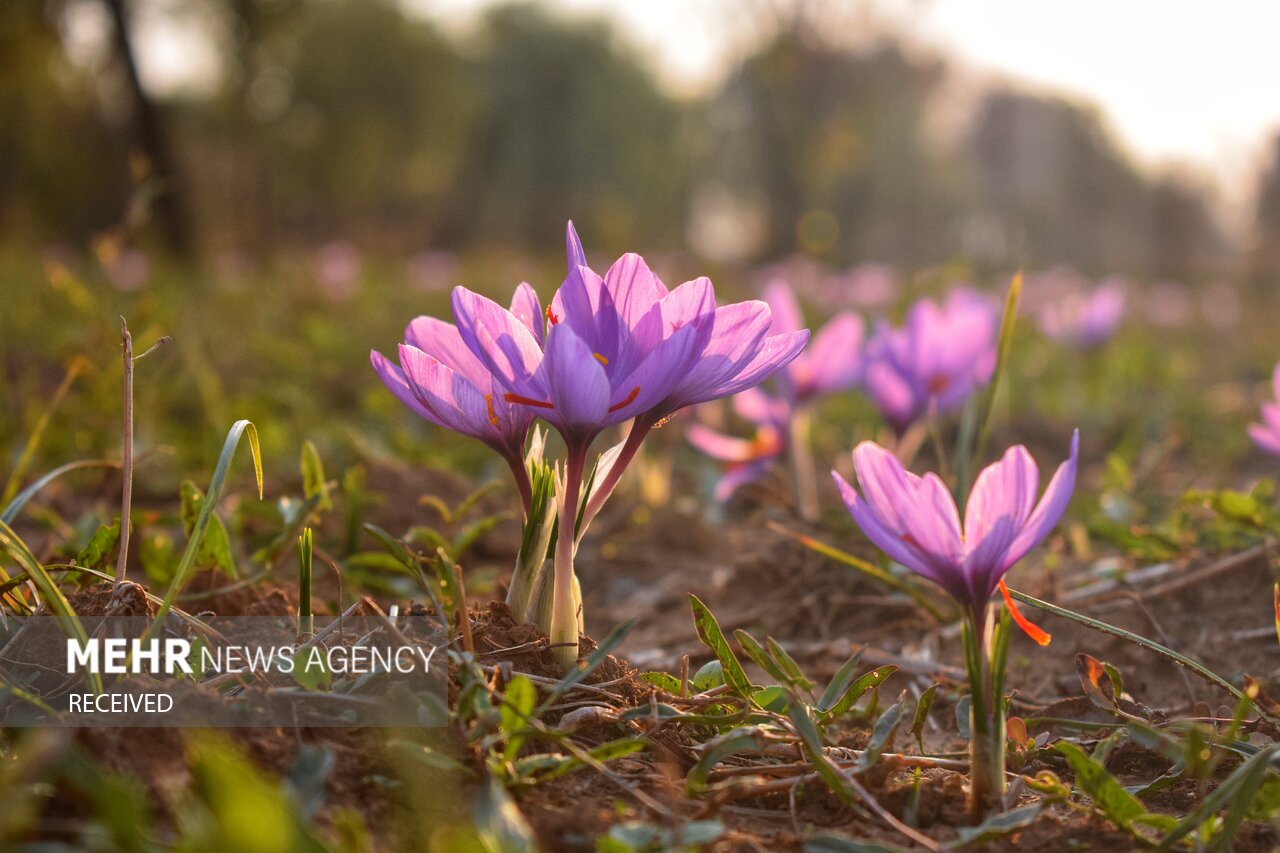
[631, 398]
[526, 401]
[1035, 632]
[551, 316]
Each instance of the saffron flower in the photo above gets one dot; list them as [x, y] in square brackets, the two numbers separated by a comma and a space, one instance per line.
[440, 380]
[614, 348]
[935, 360]
[915, 521]
[1084, 319]
[746, 460]
[1267, 434]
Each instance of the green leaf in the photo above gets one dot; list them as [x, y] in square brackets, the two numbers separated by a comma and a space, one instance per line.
[314, 484]
[605, 752]
[99, 551]
[311, 673]
[215, 549]
[663, 681]
[708, 677]
[812, 744]
[1000, 825]
[922, 714]
[759, 656]
[1111, 798]
[788, 664]
[750, 739]
[15, 506]
[238, 429]
[854, 692]
[883, 731]
[499, 824]
[713, 638]
[839, 683]
[520, 698]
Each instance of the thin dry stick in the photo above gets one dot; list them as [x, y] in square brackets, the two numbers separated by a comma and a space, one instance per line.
[126, 497]
[464, 620]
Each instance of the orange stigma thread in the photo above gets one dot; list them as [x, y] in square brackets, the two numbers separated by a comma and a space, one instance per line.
[1033, 631]
[493, 416]
[631, 398]
[526, 401]
[551, 316]
[601, 359]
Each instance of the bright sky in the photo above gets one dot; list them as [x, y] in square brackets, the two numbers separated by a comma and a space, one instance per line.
[1179, 82]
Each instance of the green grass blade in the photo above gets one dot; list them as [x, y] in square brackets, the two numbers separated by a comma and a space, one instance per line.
[11, 510]
[306, 622]
[33, 441]
[53, 598]
[1163, 651]
[212, 495]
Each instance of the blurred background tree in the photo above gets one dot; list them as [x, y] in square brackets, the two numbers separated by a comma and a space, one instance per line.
[359, 120]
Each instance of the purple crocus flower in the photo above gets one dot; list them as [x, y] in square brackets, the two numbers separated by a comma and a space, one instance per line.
[914, 520]
[618, 347]
[832, 363]
[1267, 434]
[747, 460]
[933, 362]
[1084, 319]
[441, 380]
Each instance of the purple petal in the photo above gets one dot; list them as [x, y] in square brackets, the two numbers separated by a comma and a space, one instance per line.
[919, 508]
[393, 377]
[833, 361]
[528, 310]
[576, 382]
[633, 287]
[444, 342]
[1047, 513]
[775, 354]
[893, 541]
[573, 247]
[1002, 500]
[717, 445]
[503, 344]
[454, 401]
[1267, 438]
[655, 377]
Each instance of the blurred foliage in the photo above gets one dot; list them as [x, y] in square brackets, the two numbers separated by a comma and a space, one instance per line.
[356, 119]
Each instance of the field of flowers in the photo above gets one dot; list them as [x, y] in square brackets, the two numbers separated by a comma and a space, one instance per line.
[834, 560]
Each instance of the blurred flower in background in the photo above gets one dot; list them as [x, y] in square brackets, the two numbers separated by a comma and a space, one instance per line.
[935, 360]
[1084, 318]
[337, 269]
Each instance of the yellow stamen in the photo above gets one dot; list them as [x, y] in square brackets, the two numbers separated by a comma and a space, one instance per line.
[601, 359]
[493, 416]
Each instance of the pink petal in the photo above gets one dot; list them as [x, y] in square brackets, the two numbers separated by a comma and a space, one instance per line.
[1047, 513]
